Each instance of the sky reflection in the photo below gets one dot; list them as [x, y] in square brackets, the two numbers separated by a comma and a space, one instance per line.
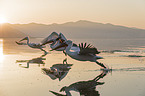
[1, 50]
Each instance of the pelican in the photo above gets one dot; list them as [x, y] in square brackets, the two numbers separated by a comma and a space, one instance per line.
[34, 45]
[85, 88]
[85, 52]
[55, 40]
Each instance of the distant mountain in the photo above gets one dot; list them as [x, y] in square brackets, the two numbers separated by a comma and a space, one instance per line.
[7, 30]
[81, 29]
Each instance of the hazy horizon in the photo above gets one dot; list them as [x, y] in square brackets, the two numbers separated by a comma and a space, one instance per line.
[128, 13]
[74, 22]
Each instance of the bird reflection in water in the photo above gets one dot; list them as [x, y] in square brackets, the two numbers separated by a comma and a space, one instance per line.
[85, 88]
[57, 70]
[38, 60]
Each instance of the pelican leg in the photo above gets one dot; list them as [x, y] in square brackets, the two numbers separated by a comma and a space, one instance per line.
[23, 66]
[45, 53]
[101, 64]
[27, 65]
[64, 53]
[103, 74]
[65, 61]
[98, 77]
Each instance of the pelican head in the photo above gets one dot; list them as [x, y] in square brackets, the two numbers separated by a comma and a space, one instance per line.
[63, 88]
[26, 38]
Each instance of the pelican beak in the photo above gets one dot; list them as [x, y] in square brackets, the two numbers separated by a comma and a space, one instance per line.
[50, 41]
[98, 52]
[26, 38]
[100, 83]
[99, 57]
[61, 45]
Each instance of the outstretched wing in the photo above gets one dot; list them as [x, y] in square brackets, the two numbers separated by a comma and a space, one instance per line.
[52, 36]
[87, 49]
[61, 36]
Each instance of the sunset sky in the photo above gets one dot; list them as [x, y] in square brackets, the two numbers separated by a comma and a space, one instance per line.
[129, 13]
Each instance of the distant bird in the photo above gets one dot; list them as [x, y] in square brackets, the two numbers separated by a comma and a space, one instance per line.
[85, 52]
[34, 45]
[85, 88]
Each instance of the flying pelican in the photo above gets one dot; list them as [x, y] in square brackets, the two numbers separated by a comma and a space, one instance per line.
[55, 40]
[85, 52]
[34, 45]
[85, 88]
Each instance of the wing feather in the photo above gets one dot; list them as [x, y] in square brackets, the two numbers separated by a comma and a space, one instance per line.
[85, 45]
[52, 36]
[90, 49]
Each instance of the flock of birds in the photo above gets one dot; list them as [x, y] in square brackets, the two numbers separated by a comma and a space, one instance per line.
[81, 52]
[58, 42]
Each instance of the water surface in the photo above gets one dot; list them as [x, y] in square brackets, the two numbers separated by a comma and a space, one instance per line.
[126, 79]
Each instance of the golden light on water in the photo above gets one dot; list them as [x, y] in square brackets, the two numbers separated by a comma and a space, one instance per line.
[1, 50]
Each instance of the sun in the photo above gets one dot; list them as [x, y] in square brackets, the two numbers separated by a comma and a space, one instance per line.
[3, 19]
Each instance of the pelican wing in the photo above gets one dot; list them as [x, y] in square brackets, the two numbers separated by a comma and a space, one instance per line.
[60, 40]
[62, 37]
[87, 49]
[58, 43]
[52, 36]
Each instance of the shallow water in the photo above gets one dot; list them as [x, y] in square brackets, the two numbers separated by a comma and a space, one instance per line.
[126, 79]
